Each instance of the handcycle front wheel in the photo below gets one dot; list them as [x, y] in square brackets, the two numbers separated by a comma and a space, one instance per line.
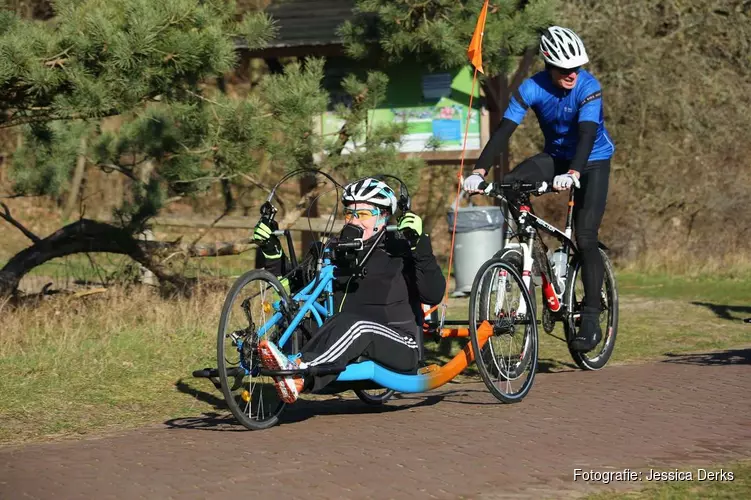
[251, 303]
[600, 355]
[508, 359]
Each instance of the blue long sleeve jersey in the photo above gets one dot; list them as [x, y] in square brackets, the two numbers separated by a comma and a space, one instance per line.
[559, 113]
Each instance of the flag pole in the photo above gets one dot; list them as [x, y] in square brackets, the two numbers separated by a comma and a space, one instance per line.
[474, 52]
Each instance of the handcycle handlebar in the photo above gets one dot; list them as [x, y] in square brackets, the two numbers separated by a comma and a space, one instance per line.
[350, 245]
[358, 243]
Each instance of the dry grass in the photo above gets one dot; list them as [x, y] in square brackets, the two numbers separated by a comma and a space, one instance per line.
[684, 262]
[112, 360]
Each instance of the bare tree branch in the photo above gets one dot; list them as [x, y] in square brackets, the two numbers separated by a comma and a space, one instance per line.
[110, 167]
[203, 232]
[301, 205]
[260, 186]
[47, 114]
[212, 178]
[33, 237]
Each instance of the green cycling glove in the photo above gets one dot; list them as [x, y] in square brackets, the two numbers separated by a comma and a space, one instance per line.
[411, 227]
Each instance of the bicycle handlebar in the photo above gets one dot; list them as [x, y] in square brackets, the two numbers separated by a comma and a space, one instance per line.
[497, 188]
[353, 245]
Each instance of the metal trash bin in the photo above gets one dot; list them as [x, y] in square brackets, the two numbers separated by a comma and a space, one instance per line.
[479, 235]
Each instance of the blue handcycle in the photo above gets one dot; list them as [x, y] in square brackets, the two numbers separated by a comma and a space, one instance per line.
[259, 305]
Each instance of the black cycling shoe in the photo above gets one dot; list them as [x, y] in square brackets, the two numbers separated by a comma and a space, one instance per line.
[589, 333]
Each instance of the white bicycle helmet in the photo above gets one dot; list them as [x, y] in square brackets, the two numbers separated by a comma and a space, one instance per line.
[370, 191]
[561, 47]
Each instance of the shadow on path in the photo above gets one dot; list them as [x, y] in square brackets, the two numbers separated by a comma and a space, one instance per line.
[302, 410]
[727, 357]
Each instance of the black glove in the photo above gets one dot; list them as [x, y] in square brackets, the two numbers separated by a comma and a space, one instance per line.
[410, 226]
[266, 239]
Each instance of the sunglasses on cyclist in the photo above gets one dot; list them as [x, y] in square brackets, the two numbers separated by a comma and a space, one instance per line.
[362, 213]
[568, 71]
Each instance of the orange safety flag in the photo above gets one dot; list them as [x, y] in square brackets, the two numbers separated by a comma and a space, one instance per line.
[474, 52]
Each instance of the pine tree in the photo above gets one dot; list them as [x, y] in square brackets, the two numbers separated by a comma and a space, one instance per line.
[436, 33]
[147, 63]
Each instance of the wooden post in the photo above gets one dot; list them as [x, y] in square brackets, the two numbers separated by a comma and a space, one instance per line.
[75, 184]
[307, 184]
[146, 277]
[497, 99]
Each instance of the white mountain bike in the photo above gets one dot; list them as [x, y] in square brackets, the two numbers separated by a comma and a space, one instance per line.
[560, 276]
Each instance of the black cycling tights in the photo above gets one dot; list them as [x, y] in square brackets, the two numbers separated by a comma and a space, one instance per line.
[589, 206]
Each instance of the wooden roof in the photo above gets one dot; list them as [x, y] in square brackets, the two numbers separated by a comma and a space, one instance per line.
[308, 23]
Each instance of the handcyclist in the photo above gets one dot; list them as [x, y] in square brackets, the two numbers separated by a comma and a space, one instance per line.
[378, 315]
[568, 103]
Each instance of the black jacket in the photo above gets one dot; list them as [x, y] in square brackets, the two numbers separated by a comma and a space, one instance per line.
[396, 282]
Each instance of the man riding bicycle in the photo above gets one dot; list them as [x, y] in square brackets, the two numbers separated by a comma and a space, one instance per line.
[568, 103]
[378, 314]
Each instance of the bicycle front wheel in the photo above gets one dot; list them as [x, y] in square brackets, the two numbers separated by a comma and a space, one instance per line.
[507, 360]
[249, 313]
[600, 355]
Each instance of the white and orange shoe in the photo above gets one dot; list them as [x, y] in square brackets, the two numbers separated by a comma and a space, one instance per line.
[288, 388]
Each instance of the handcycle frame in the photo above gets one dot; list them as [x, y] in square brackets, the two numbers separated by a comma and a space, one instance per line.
[426, 378]
[314, 301]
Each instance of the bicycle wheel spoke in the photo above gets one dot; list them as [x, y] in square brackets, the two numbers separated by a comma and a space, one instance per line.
[250, 305]
[600, 355]
[509, 358]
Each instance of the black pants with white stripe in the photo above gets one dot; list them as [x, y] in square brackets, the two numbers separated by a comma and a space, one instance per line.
[346, 336]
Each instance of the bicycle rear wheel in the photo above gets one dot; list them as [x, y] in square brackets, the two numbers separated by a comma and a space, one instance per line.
[250, 304]
[507, 361]
[600, 355]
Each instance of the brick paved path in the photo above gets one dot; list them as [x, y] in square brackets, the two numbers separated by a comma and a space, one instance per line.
[452, 443]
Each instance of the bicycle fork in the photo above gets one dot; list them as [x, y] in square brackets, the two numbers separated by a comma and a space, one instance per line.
[525, 250]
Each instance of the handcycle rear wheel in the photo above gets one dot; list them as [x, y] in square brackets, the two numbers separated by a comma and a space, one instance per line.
[508, 360]
[600, 355]
[251, 397]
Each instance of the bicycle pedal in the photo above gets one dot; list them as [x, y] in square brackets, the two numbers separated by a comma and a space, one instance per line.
[206, 373]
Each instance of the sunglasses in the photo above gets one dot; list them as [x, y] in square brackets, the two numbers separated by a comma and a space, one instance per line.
[362, 214]
[568, 71]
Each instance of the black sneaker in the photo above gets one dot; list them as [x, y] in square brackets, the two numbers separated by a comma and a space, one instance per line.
[589, 333]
